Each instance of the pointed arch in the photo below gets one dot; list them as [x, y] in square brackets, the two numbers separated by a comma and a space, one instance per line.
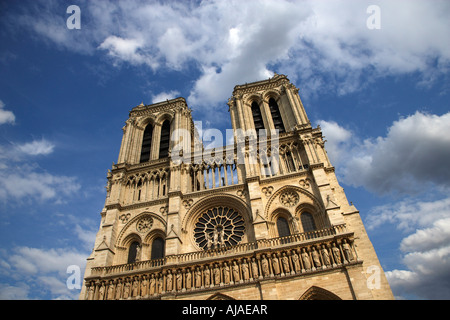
[220, 296]
[317, 293]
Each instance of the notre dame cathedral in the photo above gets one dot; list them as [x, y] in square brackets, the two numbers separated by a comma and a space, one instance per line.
[264, 218]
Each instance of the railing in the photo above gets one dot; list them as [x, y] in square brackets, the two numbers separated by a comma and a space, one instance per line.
[220, 252]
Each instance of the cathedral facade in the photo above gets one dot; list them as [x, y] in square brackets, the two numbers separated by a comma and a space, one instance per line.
[263, 218]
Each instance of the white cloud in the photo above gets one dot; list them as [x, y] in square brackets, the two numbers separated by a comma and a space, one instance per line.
[322, 45]
[5, 115]
[163, 96]
[35, 147]
[425, 246]
[44, 270]
[22, 184]
[414, 153]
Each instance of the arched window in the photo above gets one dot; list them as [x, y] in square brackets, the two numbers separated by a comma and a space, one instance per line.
[132, 252]
[146, 143]
[276, 115]
[157, 248]
[283, 227]
[165, 139]
[307, 222]
[257, 118]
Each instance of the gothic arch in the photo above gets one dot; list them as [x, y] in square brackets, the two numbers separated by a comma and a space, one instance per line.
[272, 93]
[317, 293]
[220, 296]
[277, 214]
[144, 121]
[128, 228]
[273, 203]
[163, 117]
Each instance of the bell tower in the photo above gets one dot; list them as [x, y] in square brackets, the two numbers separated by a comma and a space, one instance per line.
[263, 218]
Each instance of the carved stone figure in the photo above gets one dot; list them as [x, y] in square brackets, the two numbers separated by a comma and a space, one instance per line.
[235, 269]
[226, 273]
[169, 285]
[198, 278]
[118, 289]
[144, 285]
[207, 276]
[135, 291]
[285, 263]
[188, 279]
[336, 254]
[347, 251]
[110, 293]
[265, 266]
[216, 273]
[255, 273]
[305, 259]
[152, 284]
[275, 264]
[325, 256]
[316, 258]
[245, 272]
[295, 261]
[179, 277]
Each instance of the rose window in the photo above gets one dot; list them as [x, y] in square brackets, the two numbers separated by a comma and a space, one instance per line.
[289, 198]
[144, 224]
[219, 227]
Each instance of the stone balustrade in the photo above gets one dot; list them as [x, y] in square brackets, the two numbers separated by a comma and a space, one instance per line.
[238, 265]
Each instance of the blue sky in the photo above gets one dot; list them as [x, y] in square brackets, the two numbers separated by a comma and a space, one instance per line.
[381, 97]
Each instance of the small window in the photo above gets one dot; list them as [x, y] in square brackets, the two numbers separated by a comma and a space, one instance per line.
[276, 115]
[257, 118]
[157, 248]
[307, 222]
[283, 227]
[146, 143]
[165, 140]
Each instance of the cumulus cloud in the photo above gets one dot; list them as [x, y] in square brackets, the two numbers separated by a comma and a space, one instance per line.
[412, 154]
[163, 96]
[45, 270]
[23, 180]
[36, 147]
[322, 45]
[6, 116]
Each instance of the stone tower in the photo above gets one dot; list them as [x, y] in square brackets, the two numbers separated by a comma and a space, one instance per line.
[264, 218]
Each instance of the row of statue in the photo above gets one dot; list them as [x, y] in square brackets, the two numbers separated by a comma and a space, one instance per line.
[222, 273]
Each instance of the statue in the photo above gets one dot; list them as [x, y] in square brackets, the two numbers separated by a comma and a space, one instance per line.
[285, 263]
[245, 273]
[305, 259]
[275, 264]
[296, 261]
[325, 256]
[235, 269]
[152, 284]
[255, 272]
[336, 254]
[347, 251]
[207, 275]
